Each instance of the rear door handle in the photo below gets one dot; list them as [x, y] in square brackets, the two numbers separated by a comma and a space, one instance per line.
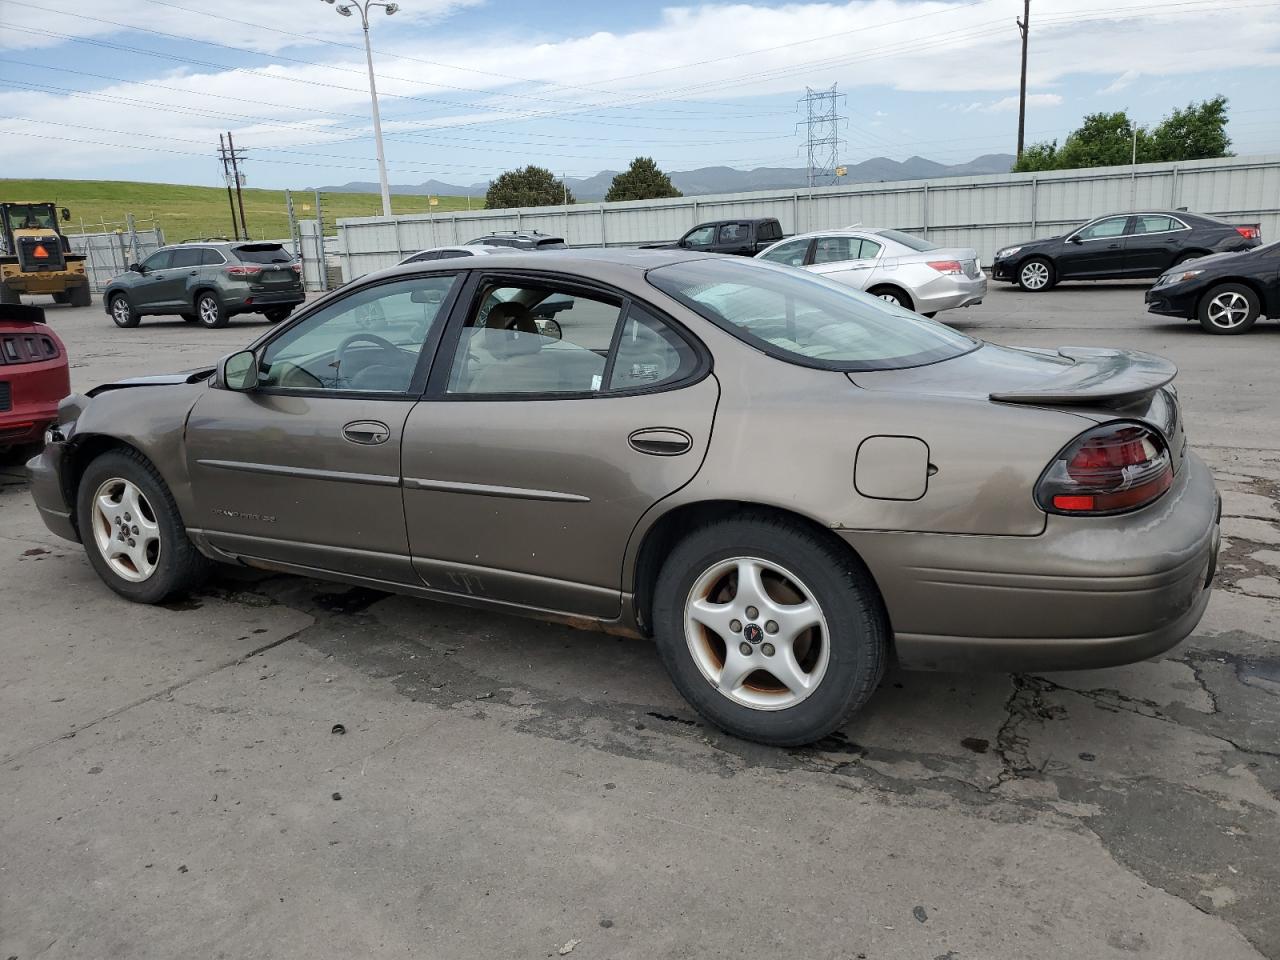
[661, 441]
[367, 432]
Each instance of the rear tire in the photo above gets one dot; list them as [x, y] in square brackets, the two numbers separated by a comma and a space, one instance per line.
[81, 296]
[63, 297]
[1036, 275]
[809, 612]
[893, 295]
[8, 297]
[278, 314]
[122, 311]
[1228, 308]
[210, 312]
[132, 532]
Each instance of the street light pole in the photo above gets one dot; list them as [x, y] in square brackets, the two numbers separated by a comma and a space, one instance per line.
[362, 6]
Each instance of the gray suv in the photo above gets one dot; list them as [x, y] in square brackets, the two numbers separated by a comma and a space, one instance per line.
[208, 283]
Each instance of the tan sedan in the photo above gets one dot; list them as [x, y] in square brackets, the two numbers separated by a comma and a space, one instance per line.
[782, 481]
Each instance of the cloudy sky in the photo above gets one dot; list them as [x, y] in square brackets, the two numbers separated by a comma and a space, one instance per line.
[140, 89]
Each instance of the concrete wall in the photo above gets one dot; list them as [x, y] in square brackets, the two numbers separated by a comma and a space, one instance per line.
[985, 212]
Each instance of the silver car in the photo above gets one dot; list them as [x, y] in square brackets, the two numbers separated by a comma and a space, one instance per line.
[450, 253]
[889, 264]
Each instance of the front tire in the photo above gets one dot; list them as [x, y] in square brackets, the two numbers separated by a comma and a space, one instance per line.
[771, 632]
[1229, 308]
[1036, 275]
[132, 533]
[210, 312]
[122, 311]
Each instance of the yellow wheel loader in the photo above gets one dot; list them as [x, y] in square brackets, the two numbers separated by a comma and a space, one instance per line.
[36, 258]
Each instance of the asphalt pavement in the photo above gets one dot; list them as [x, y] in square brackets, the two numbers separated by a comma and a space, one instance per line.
[172, 783]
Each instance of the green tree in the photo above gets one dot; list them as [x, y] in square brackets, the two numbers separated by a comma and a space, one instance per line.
[641, 181]
[527, 187]
[1197, 133]
[1107, 140]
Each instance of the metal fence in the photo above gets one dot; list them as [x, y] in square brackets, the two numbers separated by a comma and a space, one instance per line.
[108, 255]
[985, 212]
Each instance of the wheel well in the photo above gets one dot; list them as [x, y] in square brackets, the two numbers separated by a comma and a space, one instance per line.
[83, 452]
[195, 295]
[893, 288]
[673, 526]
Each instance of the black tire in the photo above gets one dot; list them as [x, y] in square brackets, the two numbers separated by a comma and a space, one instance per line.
[277, 314]
[930, 315]
[179, 566]
[1228, 309]
[1187, 257]
[1036, 275]
[210, 312]
[189, 317]
[122, 312]
[80, 295]
[63, 297]
[8, 296]
[834, 579]
[894, 295]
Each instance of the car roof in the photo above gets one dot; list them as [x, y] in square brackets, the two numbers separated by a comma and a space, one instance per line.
[577, 260]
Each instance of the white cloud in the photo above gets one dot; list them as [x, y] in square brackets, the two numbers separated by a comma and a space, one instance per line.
[679, 67]
[1120, 82]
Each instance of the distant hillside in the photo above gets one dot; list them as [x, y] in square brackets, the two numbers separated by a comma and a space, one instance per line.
[184, 212]
[707, 180]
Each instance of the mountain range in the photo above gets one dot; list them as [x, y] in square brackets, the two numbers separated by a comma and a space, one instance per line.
[706, 180]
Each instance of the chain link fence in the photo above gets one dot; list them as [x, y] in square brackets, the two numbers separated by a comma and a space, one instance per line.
[109, 254]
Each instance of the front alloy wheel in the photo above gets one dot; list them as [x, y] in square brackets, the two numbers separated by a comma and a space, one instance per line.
[1035, 276]
[756, 633]
[126, 530]
[1228, 309]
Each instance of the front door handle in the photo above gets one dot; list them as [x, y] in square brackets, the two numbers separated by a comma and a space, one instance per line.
[367, 432]
[661, 441]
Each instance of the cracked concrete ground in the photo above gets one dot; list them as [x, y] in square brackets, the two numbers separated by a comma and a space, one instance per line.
[170, 784]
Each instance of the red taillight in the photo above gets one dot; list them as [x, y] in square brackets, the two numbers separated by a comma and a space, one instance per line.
[1249, 233]
[297, 268]
[946, 266]
[247, 270]
[1116, 467]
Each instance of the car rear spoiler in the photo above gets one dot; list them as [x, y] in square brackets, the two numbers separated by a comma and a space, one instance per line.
[1096, 376]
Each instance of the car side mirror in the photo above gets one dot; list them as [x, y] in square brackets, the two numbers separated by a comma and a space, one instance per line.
[137, 268]
[240, 371]
[1074, 238]
[66, 215]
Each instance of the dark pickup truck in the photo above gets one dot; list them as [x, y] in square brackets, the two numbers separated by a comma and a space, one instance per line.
[745, 238]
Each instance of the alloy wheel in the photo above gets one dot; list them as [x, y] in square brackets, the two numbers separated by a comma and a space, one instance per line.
[126, 530]
[1228, 310]
[756, 633]
[891, 298]
[1035, 275]
[120, 311]
[208, 311]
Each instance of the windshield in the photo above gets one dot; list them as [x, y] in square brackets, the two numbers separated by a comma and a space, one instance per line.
[27, 216]
[807, 319]
[907, 240]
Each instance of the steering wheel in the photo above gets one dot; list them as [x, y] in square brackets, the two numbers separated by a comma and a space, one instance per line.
[384, 345]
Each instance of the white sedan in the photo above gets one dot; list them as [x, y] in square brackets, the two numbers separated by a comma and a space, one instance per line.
[889, 264]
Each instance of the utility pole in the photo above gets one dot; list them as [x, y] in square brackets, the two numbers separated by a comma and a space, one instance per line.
[822, 134]
[1024, 27]
[226, 176]
[235, 172]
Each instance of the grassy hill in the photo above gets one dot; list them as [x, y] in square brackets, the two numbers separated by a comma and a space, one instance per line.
[184, 212]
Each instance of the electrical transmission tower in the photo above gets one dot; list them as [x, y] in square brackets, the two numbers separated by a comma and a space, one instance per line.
[822, 134]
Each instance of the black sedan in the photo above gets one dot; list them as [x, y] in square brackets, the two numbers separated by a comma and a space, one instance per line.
[1226, 292]
[1120, 246]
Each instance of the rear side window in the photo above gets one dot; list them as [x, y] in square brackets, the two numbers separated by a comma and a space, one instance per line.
[263, 253]
[734, 232]
[1155, 223]
[770, 230]
[186, 257]
[211, 258]
[649, 353]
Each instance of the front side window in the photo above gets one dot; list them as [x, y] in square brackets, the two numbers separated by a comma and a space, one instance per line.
[836, 249]
[159, 260]
[792, 253]
[702, 237]
[534, 338]
[367, 342]
[1111, 227]
[807, 319]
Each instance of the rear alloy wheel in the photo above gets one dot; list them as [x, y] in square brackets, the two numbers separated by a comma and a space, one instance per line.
[122, 311]
[1035, 276]
[132, 532]
[893, 295]
[209, 310]
[770, 631]
[1228, 309]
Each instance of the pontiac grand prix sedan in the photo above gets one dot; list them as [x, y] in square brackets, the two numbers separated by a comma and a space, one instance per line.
[782, 481]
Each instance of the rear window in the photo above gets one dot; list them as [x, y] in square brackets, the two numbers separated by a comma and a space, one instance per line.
[907, 240]
[552, 243]
[263, 253]
[805, 319]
